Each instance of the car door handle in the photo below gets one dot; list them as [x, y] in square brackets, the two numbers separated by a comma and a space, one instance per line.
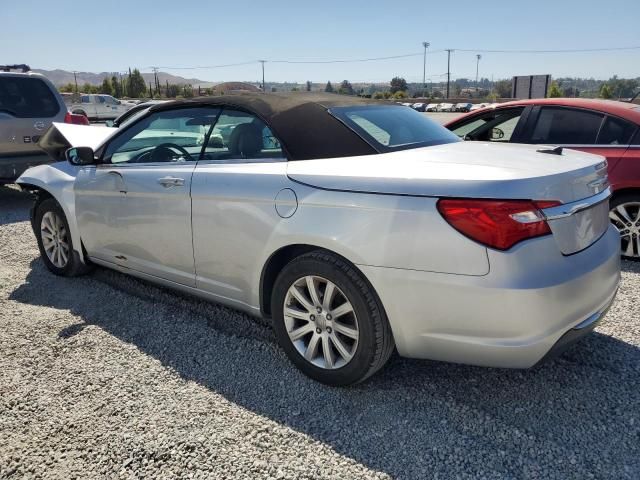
[171, 182]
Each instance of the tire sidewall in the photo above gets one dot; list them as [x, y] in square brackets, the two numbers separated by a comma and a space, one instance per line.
[360, 364]
[50, 205]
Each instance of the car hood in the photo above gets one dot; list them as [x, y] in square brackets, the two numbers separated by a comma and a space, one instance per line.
[463, 169]
[61, 136]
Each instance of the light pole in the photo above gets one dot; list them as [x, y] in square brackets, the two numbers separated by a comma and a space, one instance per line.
[424, 69]
[448, 50]
[262, 62]
[478, 57]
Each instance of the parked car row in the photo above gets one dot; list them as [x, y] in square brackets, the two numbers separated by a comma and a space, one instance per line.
[441, 107]
[356, 240]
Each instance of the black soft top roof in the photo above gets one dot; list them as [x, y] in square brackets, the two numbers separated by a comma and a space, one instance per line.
[301, 121]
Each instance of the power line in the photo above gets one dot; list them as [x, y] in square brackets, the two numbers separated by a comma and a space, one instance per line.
[569, 50]
[209, 66]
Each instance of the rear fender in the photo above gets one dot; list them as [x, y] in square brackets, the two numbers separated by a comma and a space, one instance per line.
[57, 179]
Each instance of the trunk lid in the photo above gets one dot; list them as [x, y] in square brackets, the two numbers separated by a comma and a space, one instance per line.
[482, 171]
[464, 169]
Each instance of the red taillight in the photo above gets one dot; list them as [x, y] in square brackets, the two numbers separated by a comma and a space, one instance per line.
[75, 119]
[496, 223]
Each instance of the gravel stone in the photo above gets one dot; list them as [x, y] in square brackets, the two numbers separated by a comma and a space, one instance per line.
[105, 376]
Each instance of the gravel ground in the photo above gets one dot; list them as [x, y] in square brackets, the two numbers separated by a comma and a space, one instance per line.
[105, 376]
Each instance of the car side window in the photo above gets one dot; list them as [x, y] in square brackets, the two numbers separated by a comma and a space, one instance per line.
[495, 126]
[173, 136]
[100, 99]
[616, 131]
[24, 97]
[241, 136]
[566, 126]
[85, 99]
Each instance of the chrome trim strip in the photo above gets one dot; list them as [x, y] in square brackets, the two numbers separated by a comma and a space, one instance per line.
[568, 209]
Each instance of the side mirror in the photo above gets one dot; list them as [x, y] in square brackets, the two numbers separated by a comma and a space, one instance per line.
[80, 156]
[496, 134]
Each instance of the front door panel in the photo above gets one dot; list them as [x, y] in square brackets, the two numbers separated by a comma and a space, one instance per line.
[139, 217]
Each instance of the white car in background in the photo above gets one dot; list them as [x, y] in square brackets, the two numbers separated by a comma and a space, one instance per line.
[431, 107]
[478, 106]
[446, 107]
[99, 107]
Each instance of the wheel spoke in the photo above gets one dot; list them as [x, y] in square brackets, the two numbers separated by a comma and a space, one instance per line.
[312, 348]
[340, 347]
[63, 254]
[622, 211]
[342, 310]
[617, 221]
[329, 293]
[313, 291]
[295, 313]
[636, 241]
[297, 293]
[346, 331]
[629, 250]
[300, 332]
[327, 352]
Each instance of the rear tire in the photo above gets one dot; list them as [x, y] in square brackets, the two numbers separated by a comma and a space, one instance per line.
[624, 213]
[347, 349]
[54, 240]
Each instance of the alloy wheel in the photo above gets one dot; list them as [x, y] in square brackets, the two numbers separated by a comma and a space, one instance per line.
[321, 322]
[55, 239]
[626, 218]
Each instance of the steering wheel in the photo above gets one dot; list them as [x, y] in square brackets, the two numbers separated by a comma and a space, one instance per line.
[170, 146]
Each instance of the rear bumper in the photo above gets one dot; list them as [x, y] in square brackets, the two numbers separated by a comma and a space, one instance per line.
[577, 333]
[511, 317]
[12, 167]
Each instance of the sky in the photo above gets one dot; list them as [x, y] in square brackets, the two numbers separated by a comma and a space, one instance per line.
[113, 36]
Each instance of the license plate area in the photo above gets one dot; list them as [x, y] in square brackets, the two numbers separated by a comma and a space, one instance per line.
[581, 229]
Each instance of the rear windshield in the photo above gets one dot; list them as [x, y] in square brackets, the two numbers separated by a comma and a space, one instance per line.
[393, 127]
[25, 97]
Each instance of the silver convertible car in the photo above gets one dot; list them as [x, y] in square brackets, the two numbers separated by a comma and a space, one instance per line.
[357, 227]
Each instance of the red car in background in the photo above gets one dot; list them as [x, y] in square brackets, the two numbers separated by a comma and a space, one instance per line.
[604, 127]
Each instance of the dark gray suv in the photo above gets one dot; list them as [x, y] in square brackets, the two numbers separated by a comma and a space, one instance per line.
[29, 103]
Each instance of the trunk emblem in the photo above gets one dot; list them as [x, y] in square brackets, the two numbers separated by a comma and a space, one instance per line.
[39, 126]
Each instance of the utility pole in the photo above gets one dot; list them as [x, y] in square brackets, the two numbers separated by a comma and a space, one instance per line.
[448, 50]
[478, 57]
[75, 80]
[262, 62]
[424, 69]
[155, 79]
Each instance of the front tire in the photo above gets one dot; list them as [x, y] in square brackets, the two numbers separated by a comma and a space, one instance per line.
[54, 240]
[624, 214]
[329, 321]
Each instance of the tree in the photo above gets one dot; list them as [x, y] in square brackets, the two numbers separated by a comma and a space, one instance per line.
[328, 88]
[503, 88]
[295, 89]
[106, 86]
[400, 94]
[137, 86]
[68, 88]
[345, 88]
[398, 84]
[308, 86]
[378, 95]
[605, 91]
[117, 87]
[555, 91]
[173, 90]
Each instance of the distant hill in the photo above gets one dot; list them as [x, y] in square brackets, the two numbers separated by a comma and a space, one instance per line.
[63, 77]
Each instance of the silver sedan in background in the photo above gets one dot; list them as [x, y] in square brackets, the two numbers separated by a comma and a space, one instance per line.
[357, 227]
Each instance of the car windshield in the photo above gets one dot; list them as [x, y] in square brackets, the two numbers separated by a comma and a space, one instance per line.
[389, 127]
